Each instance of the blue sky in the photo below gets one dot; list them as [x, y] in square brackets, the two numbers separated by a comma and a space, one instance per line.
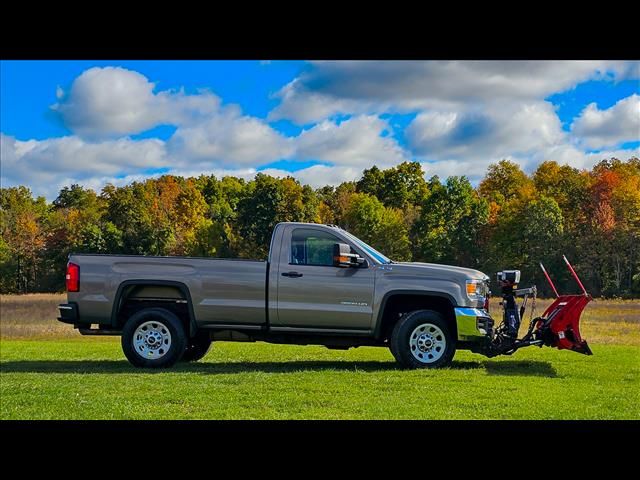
[27, 92]
[98, 122]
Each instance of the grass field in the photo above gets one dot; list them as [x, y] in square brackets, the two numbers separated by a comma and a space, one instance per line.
[48, 371]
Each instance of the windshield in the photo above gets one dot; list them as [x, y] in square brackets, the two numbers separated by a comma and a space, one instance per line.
[368, 248]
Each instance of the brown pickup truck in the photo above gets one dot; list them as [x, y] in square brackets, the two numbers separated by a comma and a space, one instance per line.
[320, 285]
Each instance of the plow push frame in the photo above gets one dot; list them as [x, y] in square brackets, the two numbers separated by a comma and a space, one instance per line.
[558, 326]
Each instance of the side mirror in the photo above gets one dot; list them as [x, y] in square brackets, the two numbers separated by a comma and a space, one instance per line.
[343, 258]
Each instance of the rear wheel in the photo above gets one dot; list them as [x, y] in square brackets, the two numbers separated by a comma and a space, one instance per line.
[423, 339]
[197, 347]
[153, 338]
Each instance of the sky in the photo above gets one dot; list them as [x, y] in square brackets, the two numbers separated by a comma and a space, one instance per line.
[99, 122]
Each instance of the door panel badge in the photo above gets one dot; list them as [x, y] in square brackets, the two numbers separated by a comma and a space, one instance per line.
[357, 304]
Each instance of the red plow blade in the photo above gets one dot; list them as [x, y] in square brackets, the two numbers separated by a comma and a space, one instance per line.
[561, 323]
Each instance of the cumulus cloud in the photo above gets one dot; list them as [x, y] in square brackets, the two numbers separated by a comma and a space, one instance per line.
[578, 158]
[321, 175]
[467, 141]
[473, 170]
[365, 86]
[467, 115]
[357, 141]
[499, 130]
[229, 139]
[46, 165]
[567, 154]
[113, 101]
[609, 127]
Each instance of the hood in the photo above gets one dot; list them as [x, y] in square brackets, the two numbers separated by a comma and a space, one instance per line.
[444, 271]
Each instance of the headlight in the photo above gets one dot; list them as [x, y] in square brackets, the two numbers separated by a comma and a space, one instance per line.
[477, 289]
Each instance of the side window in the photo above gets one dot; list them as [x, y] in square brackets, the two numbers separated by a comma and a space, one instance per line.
[312, 247]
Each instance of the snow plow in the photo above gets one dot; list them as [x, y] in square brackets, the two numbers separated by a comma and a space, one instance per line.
[558, 326]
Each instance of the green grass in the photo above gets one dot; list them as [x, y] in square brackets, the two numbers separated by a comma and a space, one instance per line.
[48, 371]
[89, 378]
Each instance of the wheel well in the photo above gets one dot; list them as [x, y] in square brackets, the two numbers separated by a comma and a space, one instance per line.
[135, 297]
[398, 305]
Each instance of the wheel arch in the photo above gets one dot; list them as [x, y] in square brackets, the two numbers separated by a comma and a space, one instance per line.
[398, 302]
[127, 287]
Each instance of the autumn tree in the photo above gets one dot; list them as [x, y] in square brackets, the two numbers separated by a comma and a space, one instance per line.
[23, 239]
[512, 220]
[609, 238]
[395, 187]
[504, 182]
[267, 201]
[381, 227]
[527, 233]
[450, 223]
[336, 201]
[568, 186]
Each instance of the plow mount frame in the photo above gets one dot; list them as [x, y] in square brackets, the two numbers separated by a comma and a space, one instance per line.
[558, 326]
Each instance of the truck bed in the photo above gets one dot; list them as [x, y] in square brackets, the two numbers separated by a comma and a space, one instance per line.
[222, 290]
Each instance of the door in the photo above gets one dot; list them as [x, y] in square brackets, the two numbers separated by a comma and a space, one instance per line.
[312, 293]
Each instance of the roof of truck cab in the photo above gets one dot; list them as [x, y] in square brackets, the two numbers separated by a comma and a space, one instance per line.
[310, 224]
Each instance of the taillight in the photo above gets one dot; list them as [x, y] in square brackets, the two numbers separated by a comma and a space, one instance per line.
[73, 277]
[486, 301]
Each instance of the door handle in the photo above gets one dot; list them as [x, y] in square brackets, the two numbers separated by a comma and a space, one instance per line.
[291, 274]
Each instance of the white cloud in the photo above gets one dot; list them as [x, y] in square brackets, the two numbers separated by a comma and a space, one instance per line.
[491, 133]
[376, 86]
[354, 142]
[229, 139]
[125, 161]
[466, 142]
[67, 154]
[109, 102]
[113, 101]
[475, 170]
[605, 128]
[316, 176]
[48, 165]
[225, 144]
[321, 175]
[469, 114]
[577, 158]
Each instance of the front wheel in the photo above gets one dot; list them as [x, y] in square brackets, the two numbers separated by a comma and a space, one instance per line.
[423, 339]
[153, 338]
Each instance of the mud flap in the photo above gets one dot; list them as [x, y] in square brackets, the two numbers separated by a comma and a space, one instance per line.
[559, 325]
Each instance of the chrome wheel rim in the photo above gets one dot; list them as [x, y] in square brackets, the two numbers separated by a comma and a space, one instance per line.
[427, 343]
[152, 340]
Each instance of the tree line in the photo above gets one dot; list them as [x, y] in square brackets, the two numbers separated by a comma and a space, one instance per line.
[511, 220]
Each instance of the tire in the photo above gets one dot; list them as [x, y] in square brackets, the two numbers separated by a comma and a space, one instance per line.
[423, 339]
[197, 348]
[153, 338]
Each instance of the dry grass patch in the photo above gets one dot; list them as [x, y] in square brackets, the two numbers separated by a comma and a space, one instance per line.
[603, 321]
[32, 315]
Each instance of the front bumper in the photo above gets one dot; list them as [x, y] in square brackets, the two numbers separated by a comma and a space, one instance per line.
[474, 324]
[68, 313]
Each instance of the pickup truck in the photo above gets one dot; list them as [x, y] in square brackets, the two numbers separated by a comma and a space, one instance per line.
[320, 285]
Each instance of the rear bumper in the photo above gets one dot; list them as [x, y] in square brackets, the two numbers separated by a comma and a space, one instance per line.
[474, 324]
[68, 313]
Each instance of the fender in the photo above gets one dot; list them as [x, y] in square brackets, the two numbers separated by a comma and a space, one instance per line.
[391, 293]
[163, 283]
